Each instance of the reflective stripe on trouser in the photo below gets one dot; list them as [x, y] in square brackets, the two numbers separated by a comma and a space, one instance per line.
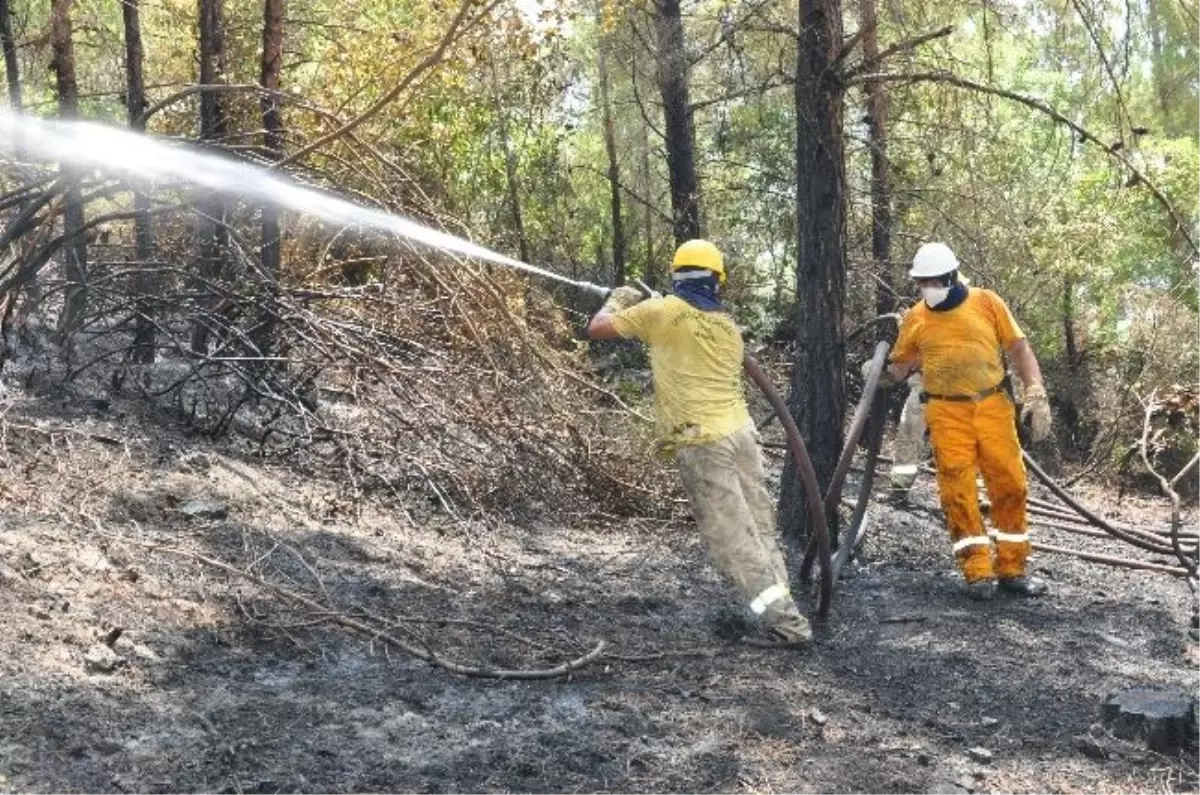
[967, 436]
[1012, 553]
[736, 518]
[909, 448]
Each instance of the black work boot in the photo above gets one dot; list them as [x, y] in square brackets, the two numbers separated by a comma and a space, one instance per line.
[774, 639]
[982, 590]
[1024, 586]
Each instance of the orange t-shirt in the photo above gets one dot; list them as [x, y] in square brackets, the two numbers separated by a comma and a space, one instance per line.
[959, 351]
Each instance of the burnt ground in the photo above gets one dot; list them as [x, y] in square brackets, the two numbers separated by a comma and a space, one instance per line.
[215, 684]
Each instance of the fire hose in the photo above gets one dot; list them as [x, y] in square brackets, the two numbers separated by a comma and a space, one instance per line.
[808, 482]
[870, 412]
[862, 414]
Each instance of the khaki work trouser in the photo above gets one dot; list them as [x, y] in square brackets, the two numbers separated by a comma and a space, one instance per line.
[736, 517]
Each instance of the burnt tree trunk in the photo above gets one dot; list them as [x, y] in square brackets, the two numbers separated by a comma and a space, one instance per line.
[614, 171]
[651, 269]
[677, 116]
[881, 196]
[12, 72]
[212, 68]
[135, 95]
[1071, 344]
[510, 168]
[818, 393]
[75, 245]
[272, 59]
[214, 236]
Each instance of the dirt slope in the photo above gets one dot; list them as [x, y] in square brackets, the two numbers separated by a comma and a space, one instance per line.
[215, 684]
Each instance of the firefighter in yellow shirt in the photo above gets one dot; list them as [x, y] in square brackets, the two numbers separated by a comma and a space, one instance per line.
[957, 336]
[696, 357]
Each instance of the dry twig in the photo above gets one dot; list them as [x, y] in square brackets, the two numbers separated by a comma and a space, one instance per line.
[325, 613]
[1168, 487]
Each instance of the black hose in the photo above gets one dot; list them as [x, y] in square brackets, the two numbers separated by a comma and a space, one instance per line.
[807, 477]
[861, 414]
[857, 530]
[1062, 494]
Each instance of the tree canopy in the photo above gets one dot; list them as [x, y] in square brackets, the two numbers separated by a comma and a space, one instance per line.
[1053, 144]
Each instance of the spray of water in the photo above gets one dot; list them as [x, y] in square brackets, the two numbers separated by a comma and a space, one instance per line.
[143, 159]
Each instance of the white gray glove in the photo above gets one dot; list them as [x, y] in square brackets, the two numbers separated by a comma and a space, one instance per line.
[621, 298]
[885, 377]
[1037, 411]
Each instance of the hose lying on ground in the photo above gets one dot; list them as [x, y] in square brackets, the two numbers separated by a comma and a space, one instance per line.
[1062, 494]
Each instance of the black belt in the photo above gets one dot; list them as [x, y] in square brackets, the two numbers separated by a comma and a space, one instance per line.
[978, 396]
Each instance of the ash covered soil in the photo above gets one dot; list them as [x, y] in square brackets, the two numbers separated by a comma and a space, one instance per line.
[128, 664]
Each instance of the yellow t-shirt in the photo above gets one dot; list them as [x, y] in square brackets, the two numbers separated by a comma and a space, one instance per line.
[959, 351]
[696, 358]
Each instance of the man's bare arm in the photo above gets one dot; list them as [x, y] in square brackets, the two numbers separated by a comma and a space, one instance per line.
[601, 327]
[1024, 362]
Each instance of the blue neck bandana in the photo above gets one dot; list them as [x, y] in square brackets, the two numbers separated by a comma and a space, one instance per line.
[703, 293]
[958, 294]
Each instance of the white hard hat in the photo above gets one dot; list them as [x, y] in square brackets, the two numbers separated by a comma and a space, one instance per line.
[932, 260]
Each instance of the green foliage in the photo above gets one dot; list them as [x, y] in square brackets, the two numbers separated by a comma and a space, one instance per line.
[1059, 226]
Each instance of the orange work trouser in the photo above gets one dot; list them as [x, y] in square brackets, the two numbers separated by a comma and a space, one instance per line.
[981, 436]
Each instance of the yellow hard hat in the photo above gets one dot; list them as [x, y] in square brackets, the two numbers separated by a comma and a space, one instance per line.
[700, 254]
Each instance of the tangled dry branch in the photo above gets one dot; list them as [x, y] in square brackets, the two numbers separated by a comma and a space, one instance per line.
[1188, 558]
[408, 372]
[367, 625]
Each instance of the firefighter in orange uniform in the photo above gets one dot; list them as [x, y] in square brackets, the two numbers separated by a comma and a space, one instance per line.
[958, 336]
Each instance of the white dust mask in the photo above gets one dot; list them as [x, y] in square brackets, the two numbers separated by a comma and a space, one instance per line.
[935, 295]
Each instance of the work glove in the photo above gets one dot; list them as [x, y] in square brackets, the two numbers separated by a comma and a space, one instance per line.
[1037, 411]
[885, 378]
[644, 288]
[621, 298]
